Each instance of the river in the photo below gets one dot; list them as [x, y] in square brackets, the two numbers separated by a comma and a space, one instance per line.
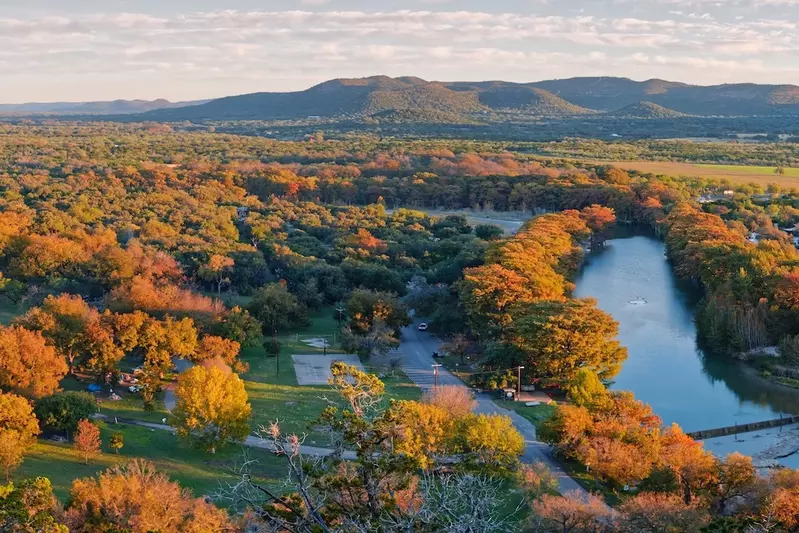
[632, 280]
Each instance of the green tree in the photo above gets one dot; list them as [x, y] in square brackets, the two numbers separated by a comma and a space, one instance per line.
[277, 309]
[240, 326]
[29, 507]
[365, 308]
[117, 442]
[488, 232]
[63, 411]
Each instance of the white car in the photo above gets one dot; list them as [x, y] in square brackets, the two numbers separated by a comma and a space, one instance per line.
[422, 326]
[134, 388]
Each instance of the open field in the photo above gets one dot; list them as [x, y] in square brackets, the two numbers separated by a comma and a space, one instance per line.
[734, 173]
[273, 397]
[193, 469]
[509, 221]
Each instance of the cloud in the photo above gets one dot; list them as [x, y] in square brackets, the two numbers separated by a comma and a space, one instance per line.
[214, 53]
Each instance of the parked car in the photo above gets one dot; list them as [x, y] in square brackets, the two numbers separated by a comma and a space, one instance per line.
[422, 326]
[134, 388]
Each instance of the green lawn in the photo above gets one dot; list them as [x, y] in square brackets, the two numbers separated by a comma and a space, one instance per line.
[537, 414]
[296, 407]
[196, 470]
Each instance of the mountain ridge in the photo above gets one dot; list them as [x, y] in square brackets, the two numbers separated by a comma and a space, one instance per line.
[100, 107]
[412, 99]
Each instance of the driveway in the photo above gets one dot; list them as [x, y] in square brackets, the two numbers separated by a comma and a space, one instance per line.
[416, 352]
[181, 365]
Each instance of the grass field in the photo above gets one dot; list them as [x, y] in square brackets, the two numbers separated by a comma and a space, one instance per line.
[296, 407]
[272, 397]
[193, 469]
[736, 174]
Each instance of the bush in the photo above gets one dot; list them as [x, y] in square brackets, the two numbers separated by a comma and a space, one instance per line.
[455, 400]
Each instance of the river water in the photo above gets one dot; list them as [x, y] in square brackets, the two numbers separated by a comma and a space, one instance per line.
[632, 280]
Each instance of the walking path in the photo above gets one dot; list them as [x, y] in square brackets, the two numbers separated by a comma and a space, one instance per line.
[417, 362]
[251, 442]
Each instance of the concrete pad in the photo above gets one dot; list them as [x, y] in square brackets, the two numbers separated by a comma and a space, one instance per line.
[314, 369]
[316, 343]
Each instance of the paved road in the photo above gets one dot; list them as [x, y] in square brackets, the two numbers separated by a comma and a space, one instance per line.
[416, 351]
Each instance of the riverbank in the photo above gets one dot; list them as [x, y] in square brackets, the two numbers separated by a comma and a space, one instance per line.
[633, 282]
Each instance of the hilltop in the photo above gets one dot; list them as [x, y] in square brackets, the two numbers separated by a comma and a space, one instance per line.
[410, 99]
[379, 97]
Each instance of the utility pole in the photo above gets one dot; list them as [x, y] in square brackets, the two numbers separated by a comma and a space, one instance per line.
[519, 382]
[340, 310]
[435, 375]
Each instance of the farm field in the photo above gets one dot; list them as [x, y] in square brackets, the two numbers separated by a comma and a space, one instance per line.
[734, 173]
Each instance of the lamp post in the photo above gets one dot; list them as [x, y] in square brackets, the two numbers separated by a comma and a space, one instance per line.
[435, 375]
[519, 382]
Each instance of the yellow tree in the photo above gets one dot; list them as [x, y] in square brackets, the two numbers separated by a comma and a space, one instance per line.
[18, 430]
[28, 364]
[559, 338]
[212, 407]
[426, 430]
[491, 439]
[212, 347]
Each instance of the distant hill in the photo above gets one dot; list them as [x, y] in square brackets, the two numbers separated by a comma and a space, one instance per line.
[412, 100]
[646, 110]
[116, 107]
[519, 97]
[742, 99]
[403, 99]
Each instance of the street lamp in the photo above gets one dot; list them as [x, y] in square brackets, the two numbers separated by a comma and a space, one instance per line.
[435, 375]
[519, 382]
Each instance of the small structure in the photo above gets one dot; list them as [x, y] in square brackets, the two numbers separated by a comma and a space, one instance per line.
[508, 395]
[242, 213]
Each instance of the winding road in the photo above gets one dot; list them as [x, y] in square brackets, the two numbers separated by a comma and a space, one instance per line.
[416, 352]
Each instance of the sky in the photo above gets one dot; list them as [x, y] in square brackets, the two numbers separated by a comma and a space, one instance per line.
[86, 50]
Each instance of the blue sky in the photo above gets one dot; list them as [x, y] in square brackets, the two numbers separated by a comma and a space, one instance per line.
[71, 50]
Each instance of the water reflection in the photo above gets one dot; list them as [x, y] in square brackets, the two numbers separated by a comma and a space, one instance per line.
[632, 281]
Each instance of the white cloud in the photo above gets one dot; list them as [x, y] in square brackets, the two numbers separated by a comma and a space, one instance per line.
[225, 52]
